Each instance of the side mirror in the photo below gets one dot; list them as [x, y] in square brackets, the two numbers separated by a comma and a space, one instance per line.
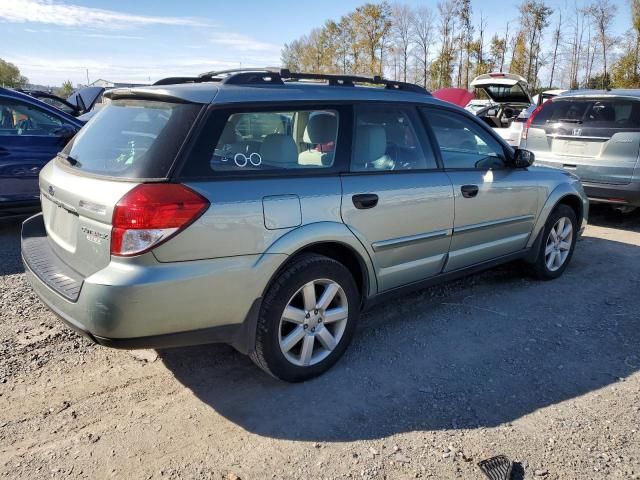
[523, 158]
[65, 131]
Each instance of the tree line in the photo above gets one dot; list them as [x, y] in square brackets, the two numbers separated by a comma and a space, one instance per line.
[448, 45]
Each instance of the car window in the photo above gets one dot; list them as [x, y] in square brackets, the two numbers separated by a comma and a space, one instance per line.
[463, 144]
[21, 118]
[265, 141]
[57, 104]
[132, 138]
[386, 138]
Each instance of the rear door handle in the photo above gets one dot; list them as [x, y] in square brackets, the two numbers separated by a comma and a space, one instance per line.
[469, 191]
[365, 200]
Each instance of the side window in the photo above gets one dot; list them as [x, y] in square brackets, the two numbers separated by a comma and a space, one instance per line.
[386, 138]
[270, 141]
[18, 118]
[463, 144]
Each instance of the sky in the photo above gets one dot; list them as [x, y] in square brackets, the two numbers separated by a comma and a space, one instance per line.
[144, 40]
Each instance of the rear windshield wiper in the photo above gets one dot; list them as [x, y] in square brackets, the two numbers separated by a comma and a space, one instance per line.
[68, 158]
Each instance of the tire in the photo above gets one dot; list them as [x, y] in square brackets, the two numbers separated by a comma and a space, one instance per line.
[543, 267]
[283, 341]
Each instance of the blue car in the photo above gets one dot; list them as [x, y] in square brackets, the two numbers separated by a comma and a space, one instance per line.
[31, 133]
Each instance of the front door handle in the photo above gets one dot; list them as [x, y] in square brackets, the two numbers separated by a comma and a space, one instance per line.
[469, 191]
[365, 200]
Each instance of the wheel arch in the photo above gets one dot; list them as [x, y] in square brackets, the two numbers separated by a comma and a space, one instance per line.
[567, 194]
[333, 240]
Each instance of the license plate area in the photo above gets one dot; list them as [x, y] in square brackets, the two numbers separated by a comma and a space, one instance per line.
[61, 223]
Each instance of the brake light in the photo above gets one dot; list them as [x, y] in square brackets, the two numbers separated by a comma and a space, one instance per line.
[497, 75]
[525, 130]
[152, 213]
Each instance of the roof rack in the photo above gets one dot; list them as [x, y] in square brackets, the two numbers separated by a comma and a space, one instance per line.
[265, 76]
[351, 80]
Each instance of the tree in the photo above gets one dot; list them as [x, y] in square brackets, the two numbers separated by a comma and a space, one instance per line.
[67, 89]
[534, 18]
[603, 12]
[10, 75]
[422, 32]
[466, 37]
[372, 23]
[556, 40]
[624, 72]
[402, 18]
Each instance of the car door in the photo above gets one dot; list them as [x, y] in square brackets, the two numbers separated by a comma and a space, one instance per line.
[29, 138]
[395, 199]
[495, 205]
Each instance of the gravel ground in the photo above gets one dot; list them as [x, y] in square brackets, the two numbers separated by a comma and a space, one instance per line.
[546, 373]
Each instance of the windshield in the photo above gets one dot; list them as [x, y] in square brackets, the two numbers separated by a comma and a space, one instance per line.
[132, 138]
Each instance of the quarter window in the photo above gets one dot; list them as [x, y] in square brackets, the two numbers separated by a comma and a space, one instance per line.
[387, 139]
[463, 144]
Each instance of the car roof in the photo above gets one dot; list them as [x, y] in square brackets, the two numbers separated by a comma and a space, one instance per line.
[14, 94]
[618, 92]
[497, 78]
[212, 92]
[261, 85]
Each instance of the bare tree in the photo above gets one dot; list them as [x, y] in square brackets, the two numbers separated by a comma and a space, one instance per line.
[402, 18]
[422, 33]
[603, 12]
[556, 40]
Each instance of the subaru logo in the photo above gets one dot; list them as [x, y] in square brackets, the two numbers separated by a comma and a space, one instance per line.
[52, 191]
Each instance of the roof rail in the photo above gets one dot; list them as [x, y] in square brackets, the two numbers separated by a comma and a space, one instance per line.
[351, 80]
[265, 76]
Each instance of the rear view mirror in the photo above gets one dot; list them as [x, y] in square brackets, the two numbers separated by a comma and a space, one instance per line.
[523, 158]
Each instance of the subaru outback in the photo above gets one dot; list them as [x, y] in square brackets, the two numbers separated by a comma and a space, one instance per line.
[267, 209]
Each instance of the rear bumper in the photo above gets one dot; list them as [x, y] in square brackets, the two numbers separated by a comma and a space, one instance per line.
[613, 194]
[153, 305]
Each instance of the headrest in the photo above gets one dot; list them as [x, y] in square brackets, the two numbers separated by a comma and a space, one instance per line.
[371, 143]
[228, 135]
[321, 128]
[279, 149]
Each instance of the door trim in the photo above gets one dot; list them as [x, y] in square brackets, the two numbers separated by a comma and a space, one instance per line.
[493, 223]
[409, 240]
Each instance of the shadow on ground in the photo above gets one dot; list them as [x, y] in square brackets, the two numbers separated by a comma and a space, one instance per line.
[479, 352]
[605, 216]
[10, 261]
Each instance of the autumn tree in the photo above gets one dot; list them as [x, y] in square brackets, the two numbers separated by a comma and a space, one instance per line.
[422, 33]
[10, 75]
[402, 17]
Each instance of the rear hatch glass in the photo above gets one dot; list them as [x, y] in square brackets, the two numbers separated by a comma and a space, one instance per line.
[598, 137]
[132, 139]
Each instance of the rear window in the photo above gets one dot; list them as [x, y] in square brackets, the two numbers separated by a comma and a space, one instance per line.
[590, 114]
[132, 138]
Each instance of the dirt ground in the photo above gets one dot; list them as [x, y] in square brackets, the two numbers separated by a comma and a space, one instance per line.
[546, 373]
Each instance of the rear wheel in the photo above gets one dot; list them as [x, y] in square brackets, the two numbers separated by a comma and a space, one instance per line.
[557, 245]
[307, 319]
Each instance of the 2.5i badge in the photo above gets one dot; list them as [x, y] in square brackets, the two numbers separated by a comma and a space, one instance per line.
[93, 236]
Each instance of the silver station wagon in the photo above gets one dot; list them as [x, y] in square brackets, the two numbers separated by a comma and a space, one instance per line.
[266, 209]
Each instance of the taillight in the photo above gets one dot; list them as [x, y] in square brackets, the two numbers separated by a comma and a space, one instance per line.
[152, 213]
[525, 130]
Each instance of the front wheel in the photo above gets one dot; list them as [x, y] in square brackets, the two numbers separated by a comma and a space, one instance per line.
[558, 243]
[307, 319]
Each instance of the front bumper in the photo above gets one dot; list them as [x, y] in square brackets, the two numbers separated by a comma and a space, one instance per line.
[143, 305]
[628, 194]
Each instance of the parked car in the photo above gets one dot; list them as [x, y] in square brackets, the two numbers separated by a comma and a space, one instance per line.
[31, 134]
[478, 104]
[53, 100]
[518, 123]
[596, 135]
[249, 209]
[509, 95]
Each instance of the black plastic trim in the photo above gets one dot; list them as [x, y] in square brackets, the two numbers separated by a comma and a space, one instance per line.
[45, 264]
